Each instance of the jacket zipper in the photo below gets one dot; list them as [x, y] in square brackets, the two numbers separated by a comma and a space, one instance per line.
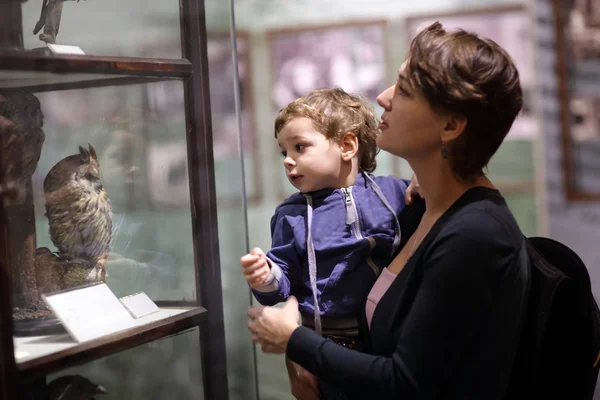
[353, 219]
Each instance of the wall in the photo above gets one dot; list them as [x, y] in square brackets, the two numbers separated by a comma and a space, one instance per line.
[259, 17]
[573, 223]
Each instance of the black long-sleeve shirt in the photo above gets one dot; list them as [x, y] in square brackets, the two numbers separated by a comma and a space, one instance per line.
[448, 326]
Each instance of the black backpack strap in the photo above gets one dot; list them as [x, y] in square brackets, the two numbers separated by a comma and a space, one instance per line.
[560, 342]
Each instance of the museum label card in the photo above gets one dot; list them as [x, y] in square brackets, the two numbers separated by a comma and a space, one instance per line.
[139, 305]
[65, 49]
[90, 312]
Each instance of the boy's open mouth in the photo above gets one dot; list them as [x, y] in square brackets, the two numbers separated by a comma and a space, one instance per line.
[294, 177]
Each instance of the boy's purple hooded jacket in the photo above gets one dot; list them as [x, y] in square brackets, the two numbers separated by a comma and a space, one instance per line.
[355, 232]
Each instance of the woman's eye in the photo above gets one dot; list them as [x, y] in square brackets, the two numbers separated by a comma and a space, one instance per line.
[401, 91]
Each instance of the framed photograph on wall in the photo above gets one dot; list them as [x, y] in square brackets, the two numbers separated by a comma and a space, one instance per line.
[167, 98]
[352, 56]
[577, 24]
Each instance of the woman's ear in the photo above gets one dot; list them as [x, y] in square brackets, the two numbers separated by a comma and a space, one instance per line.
[454, 127]
[349, 146]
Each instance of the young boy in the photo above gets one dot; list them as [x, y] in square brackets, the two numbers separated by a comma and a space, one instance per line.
[331, 240]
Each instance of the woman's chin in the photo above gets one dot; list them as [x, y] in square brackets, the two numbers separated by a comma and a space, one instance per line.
[382, 144]
[391, 150]
[380, 141]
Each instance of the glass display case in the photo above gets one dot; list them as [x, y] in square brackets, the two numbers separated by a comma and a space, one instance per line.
[108, 204]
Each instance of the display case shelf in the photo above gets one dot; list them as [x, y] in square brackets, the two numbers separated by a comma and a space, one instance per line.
[39, 355]
[39, 72]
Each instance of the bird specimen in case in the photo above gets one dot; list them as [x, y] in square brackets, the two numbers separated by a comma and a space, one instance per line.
[21, 134]
[73, 387]
[21, 141]
[49, 20]
[79, 211]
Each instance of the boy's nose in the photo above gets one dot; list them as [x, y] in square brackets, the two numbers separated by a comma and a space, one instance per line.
[288, 162]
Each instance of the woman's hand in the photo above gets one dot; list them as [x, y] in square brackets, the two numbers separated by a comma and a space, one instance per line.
[273, 326]
[413, 190]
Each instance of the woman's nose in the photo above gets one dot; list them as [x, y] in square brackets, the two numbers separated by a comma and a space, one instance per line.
[385, 98]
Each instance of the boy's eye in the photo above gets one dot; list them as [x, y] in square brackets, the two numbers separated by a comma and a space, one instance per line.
[283, 154]
[300, 147]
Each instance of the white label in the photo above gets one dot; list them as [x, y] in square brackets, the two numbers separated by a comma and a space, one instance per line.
[65, 49]
[139, 305]
[90, 312]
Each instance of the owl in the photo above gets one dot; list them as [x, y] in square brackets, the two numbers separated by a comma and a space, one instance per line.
[79, 211]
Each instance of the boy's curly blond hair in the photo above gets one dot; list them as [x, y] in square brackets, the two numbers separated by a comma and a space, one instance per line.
[334, 113]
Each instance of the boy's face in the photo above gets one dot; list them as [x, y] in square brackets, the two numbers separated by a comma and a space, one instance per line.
[312, 162]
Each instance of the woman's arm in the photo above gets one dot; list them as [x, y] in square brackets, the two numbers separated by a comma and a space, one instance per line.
[450, 310]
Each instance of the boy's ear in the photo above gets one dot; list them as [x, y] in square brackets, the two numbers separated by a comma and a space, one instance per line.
[349, 146]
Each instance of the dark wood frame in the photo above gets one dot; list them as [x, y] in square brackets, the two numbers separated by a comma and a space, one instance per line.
[589, 8]
[272, 35]
[572, 191]
[207, 310]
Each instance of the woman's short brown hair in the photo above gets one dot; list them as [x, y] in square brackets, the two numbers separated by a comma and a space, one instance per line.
[460, 72]
[335, 113]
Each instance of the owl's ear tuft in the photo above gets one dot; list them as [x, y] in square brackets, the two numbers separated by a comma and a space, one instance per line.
[85, 155]
[92, 152]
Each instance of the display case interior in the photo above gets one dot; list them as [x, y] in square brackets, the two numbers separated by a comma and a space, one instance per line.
[107, 187]
[102, 197]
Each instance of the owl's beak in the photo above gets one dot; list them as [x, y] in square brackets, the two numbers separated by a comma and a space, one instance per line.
[100, 390]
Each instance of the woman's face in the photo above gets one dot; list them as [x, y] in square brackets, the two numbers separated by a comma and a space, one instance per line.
[410, 126]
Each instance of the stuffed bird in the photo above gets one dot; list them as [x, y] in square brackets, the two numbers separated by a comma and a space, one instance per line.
[49, 20]
[79, 211]
[21, 134]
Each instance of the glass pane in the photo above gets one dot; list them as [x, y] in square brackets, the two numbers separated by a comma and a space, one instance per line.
[105, 199]
[165, 369]
[227, 138]
[98, 27]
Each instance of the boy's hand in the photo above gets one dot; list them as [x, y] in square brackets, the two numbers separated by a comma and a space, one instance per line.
[413, 190]
[255, 268]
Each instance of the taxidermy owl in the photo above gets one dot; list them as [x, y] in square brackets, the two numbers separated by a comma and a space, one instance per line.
[73, 387]
[79, 211]
[21, 134]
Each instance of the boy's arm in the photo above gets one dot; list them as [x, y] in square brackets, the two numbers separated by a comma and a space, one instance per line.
[413, 190]
[284, 262]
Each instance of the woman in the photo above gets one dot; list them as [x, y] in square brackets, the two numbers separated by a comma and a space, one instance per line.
[443, 320]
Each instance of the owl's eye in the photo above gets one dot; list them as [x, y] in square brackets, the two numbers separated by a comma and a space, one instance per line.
[89, 176]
